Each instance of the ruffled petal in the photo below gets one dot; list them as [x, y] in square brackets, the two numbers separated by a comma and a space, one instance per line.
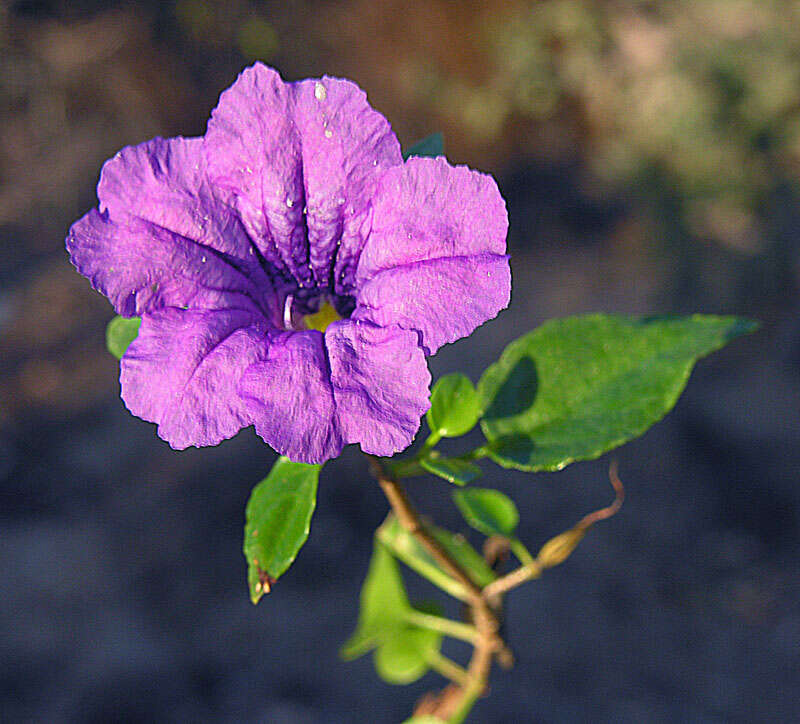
[182, 371]
[380, 384]
[253, 151]
[290, 398]
[435, 259]
[160, 237]
[442, 299]
[346, 144]
[299, 162]
[358, 383]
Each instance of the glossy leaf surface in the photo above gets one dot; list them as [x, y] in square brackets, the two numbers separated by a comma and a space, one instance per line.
[575, 388]
[488, 511]
[278, 519]
[453, 470]
[455, 406]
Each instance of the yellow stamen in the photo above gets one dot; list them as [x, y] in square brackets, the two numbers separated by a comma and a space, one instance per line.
[322, 318]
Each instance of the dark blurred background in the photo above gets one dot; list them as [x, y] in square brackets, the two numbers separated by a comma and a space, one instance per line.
[650, 156]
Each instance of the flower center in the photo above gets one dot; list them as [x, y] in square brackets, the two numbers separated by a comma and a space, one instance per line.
[320, 319]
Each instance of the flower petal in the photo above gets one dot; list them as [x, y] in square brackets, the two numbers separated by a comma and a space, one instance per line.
[182, 370]
[345, 147]
[253, 151]
[442, 299]
[359, 383]
[298, 161]
[380, 384]
[290, 398]
[435, 258]
[160, 238]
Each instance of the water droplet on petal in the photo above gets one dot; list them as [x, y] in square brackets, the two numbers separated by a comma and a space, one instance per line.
[289, 202]
[320, 92]
[328, 133]
[203, 259]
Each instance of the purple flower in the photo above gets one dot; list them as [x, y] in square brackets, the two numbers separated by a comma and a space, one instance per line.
[291, 271]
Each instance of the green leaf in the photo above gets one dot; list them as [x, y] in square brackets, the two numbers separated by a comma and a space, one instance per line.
[575, 388]
[410, 551]
[424, 720]
[404, 655]
[455, 406]
[488, 511]
[453, 470]
[120, 332]
[384, 604]
[278, 517]
[432, 145]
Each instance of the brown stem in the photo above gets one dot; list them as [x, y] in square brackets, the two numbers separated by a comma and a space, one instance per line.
[410, 520]
[488, 642]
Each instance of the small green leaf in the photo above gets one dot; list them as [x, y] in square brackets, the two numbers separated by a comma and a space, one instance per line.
[424, 720]
[453, 470]
[120, 332]
[488, 511]
[403, 657]
[278, 518]
[384, 604]
[575, 388]
[410, 551]
[432, 145]
[455, 406]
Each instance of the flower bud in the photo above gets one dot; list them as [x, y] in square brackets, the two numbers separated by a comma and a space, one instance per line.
[558, 549]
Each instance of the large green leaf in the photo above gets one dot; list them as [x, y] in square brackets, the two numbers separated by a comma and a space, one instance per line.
[410, 551]
[384, 604]
[404, 655]
[432, 145]
[120, 332]
[453, 470]
[574, 388]
[455, 406]
[278, 518]
[488, 511]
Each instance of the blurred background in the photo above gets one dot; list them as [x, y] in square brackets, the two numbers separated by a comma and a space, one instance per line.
[650, 156]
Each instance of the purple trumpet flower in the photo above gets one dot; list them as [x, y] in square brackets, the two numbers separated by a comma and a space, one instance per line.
[291, 271]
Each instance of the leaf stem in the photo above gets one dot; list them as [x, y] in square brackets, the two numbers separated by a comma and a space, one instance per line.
[454, 629]
[448, 668]
[521, 552]
[429, 444]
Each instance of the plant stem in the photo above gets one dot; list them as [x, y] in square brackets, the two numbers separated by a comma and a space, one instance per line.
[488, 642]
[454, 629]
[448, 668]
[411, 521]
[511, 580]
[521, 552]
[478, 673]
